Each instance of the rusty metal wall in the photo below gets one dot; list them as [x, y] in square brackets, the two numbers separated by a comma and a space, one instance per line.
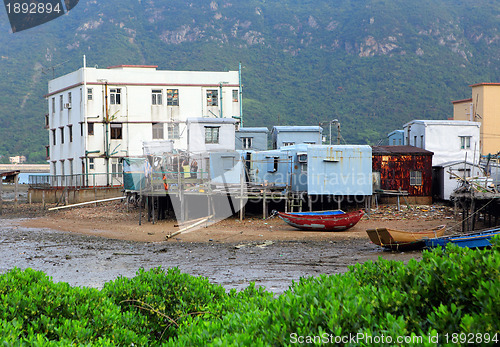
[395, 172]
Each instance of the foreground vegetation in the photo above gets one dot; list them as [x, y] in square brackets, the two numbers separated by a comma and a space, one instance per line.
[450, 296]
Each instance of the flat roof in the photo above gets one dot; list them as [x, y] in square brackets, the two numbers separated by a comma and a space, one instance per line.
[460, 101]
[297, 128]
[399, 150]
[485, 84]
[443, 122]
[253, 130]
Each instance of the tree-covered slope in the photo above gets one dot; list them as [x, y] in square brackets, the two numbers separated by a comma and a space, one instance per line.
[372, 64]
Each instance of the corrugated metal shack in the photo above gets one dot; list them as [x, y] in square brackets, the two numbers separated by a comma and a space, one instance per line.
[252, 138]
[403, 168]
[294, 135]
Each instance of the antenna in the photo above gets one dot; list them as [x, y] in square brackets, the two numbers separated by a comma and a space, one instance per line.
[53, 68]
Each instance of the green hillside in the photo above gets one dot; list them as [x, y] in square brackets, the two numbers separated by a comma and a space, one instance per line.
[372, 64]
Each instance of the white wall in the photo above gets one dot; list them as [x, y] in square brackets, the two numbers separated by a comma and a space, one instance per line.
[136, 111]
[443, 138]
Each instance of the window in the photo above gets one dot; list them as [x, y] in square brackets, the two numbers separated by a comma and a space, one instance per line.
[172, 97]
[90, 95]
[235, 95]
[399, 142]
[47, 152]
[394, 142]
[157, 131]
[116, 167]
[213, 97]
[54, 168]
[62, 167]
[465, 142]
[47, 124]
[211, 134]
[81, 129]
[415, 178]
[54, 137]
[91, 164]
[227, 163]
[53, 105]
[69, 98]
[90, 128]
[421, 141]
[61, 106]
[115, 96]
[156, 97]
[288, 143]
[173, 131]
[246, 142]
[62, 135]
[70, 128]
[272, 164]
[116, 131]
[415, 141]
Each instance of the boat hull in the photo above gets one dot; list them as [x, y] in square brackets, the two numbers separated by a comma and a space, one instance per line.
[403, 240]
[322, 222]
[472, 240]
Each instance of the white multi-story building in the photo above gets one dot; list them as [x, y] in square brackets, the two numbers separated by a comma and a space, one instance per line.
[98, 116]
[449, 140]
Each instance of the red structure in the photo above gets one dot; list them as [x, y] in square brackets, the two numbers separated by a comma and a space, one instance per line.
[405, 168]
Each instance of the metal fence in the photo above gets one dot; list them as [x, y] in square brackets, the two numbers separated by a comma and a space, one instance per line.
[76, 181]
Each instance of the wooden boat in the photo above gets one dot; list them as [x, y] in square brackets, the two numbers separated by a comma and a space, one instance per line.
[478, 239]
[336, 220]
[403, 240]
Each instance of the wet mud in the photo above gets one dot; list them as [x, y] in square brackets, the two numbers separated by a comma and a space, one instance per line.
[84, 260]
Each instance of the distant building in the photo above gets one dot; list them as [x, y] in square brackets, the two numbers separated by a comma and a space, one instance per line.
[449, 140]
[396, 138]
[293, 135]
[483, 107]
[252, 139]
[448, 176]
[405, 168]
[19, 159]
[98, 116]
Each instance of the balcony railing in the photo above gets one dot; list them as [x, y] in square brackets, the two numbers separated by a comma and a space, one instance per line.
[76, 181]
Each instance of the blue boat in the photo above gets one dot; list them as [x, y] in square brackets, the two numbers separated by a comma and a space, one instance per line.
[478, 239]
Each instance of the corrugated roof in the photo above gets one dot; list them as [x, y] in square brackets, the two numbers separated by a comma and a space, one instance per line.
[399, 150]
[279, 128]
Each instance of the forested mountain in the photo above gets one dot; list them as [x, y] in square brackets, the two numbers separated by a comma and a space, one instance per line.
[372, 64]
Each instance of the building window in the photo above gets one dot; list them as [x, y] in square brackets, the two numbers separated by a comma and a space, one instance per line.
[90, 95]
[211, 134]
[156, 97]
[272, 164]
[421, 141]
[91, 164]
[246, 142]
[116, 167]
[116, 131]
[54, 168]
[61, 105]
[115, 96]
[173, 131]
[47, 152]
[70, 128]
[62, 167]
[465, 142]
[394, 142]
[235, 95]
[157, 131]
[172, 97]
[415, 141]
[62, 135]
[288, 143]
[415, 178]
[53, 105]
[53, 136]
[213, 97]
[227, 163]
[90, 128]
[47, 123]
[69, 99]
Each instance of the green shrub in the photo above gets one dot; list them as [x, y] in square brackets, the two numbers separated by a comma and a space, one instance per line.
[449, 291]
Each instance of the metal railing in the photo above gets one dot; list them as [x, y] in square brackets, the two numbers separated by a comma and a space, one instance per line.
[113, 179]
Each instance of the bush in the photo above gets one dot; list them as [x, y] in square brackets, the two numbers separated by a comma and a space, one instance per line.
[449, 291]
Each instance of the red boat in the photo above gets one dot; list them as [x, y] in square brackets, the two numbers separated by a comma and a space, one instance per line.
[322, 221]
